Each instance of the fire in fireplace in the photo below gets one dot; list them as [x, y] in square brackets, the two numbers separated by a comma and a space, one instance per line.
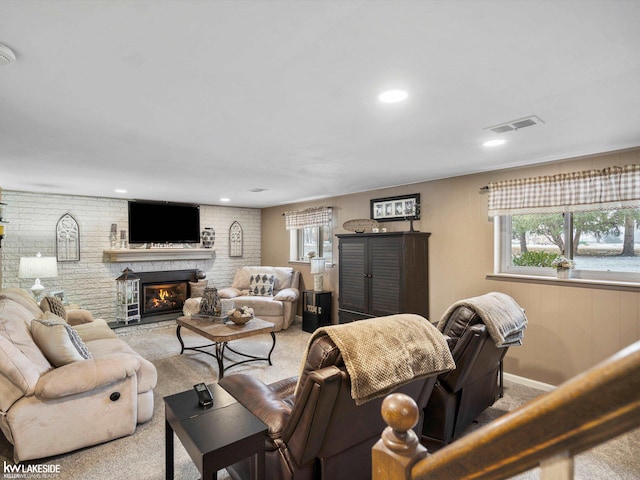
[163, 293]
[164, 298]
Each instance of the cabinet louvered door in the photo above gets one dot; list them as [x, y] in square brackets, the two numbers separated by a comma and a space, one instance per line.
[353, 291]
[385, 276]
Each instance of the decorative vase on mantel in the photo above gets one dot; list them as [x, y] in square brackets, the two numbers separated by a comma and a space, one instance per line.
[208, 237]
[563, 272]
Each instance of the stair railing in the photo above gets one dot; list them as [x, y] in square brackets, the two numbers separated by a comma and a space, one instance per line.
[549, 431]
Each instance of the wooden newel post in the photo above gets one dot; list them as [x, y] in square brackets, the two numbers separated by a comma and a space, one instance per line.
[398, 448]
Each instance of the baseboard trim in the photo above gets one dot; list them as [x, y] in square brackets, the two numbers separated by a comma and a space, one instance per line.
[529, 382]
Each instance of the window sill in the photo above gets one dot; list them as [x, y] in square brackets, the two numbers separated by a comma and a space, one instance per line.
[300, 262]
[566, 282]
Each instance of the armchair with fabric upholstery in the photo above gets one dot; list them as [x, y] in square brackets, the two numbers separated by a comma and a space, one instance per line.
[278, 305]
[460, 395]
[316, 429]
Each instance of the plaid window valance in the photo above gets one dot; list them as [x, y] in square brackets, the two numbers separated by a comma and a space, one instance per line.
[613, 187]
[311, 217]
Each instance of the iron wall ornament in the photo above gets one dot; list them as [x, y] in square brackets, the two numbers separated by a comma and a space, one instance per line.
[235, 240]
[67, 239]
[393, 209]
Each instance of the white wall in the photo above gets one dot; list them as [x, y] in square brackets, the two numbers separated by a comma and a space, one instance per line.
[90, 282]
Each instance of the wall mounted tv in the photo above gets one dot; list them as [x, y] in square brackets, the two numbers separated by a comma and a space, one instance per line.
[163, 222]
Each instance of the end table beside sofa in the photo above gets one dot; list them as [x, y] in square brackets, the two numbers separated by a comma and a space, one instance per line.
[214, 437]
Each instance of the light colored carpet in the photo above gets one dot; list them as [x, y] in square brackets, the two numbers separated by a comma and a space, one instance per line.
[141, 455]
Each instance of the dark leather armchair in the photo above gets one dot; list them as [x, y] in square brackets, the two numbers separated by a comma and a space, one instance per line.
[460, 395]
[319, 432]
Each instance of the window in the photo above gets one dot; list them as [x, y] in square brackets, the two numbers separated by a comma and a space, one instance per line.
[311, 232]
[603, 244]
[315, 240]
[590, 217]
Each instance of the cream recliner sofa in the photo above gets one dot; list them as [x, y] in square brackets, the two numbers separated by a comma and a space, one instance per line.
[54, 400]
[280, 307]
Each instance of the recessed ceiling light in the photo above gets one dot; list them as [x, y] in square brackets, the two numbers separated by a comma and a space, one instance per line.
[494, 143]
[224, 199]
[120, 190]
[393, 96]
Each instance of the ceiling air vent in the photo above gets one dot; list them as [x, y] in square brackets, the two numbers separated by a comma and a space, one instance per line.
[516, 124]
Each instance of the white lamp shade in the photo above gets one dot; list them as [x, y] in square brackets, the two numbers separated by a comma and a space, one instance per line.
[317, 265]
[38, 267]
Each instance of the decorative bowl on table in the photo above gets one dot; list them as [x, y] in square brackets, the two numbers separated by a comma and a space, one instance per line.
[241, 315]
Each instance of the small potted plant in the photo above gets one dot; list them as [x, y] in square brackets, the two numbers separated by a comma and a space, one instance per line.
[562, 265]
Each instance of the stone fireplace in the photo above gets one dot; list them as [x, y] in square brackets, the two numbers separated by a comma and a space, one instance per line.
[162, 294]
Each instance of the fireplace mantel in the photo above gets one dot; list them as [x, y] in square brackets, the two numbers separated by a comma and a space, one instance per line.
[157, 254]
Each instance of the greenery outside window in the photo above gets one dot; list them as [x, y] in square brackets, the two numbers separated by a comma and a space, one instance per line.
[603, 244]
[591, 218]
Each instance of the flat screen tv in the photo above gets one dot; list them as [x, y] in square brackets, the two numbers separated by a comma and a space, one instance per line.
[163, 222]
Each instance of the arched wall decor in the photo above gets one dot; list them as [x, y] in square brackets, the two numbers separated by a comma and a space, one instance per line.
[67, 239]
[235, 240]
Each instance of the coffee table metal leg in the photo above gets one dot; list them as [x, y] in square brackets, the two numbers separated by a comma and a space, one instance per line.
[168, 451]
[180, 339]
[249, 358]
[220, 346]
[273, 337]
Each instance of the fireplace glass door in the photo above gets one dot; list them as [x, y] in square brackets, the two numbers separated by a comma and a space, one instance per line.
[164, 298]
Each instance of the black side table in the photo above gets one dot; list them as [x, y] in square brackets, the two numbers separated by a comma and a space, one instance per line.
[316, 310]
[214, 437]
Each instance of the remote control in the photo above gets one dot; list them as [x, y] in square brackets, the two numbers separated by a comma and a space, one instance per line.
[204, 395]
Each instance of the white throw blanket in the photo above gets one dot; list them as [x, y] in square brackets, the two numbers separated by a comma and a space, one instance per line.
[384, 353]
[504, 318]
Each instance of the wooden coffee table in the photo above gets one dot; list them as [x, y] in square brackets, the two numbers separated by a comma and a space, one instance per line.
[221, 334]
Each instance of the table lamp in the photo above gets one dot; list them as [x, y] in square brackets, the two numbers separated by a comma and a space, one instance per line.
[38, 267]
[317, 270]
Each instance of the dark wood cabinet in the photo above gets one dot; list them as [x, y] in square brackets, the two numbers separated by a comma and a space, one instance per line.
[383, 274]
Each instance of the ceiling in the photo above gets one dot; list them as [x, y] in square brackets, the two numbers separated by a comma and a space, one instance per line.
[193, 100]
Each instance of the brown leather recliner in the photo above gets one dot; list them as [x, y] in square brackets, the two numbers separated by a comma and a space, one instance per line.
[460, 395]
[320, 432]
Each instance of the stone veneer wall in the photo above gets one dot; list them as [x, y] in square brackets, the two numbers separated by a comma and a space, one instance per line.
[90, 282]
